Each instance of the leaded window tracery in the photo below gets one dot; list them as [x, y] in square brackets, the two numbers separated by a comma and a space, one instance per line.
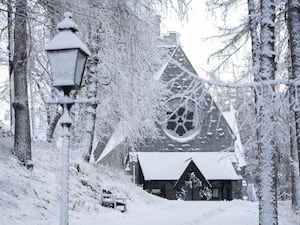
[181, 119]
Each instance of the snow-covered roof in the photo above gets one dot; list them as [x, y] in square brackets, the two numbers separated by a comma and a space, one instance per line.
[116, 138]
[171, 165]
[239, 150]
[166, 62]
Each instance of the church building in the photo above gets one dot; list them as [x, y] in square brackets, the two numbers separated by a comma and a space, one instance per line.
[198, 155]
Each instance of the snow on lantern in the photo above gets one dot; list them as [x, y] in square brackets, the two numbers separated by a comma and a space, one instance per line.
[67, 56]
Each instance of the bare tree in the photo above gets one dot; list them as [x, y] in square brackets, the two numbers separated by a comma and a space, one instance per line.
[91, 88]
[10, 56]
[122, 37]
[22, 144]
[53, 12]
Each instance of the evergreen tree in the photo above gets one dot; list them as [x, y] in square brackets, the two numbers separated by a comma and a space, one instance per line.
[293, 12]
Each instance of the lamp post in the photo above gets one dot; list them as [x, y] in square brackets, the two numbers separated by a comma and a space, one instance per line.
[67, 57]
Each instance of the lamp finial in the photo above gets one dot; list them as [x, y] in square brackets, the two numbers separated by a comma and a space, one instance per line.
[67, 23]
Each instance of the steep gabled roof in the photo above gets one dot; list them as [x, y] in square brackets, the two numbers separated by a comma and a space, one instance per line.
[210, 132]
[238, 147]
[192, 167]
[168, 55]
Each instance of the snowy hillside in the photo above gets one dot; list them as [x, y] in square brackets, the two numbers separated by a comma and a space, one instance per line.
[32, 197]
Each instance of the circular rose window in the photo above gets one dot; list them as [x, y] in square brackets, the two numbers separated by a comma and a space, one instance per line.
[181, 119]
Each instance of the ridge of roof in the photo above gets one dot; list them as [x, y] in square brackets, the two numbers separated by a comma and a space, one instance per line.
[161, 70]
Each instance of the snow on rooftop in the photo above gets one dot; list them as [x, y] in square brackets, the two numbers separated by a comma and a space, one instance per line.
[239, 151]
[161, 70]
[166, 62]
[116, 138]
[171, 165]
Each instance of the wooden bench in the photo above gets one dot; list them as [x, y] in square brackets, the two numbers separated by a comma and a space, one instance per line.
[111, 200]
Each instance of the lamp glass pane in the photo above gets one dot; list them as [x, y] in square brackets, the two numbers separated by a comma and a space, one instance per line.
[81, 60]
[63, 64]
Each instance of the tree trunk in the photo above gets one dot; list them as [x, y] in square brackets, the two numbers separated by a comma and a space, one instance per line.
[255, 53]
[253, 23]
[10, 59]
[265, 122]
[22, 145]
[90, 110]
[294, 42]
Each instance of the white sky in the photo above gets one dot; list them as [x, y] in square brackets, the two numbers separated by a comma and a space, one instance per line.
[193, 33]
[3, 74]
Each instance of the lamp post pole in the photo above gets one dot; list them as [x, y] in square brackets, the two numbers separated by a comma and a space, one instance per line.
[67, 57]
[65, 123]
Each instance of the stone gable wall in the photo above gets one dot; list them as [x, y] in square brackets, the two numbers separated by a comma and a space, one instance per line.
[215, 134]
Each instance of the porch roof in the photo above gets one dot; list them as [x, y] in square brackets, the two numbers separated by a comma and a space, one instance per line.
[171, 165]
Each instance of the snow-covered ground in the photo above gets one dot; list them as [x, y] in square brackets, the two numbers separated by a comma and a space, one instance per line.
[32, 197]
